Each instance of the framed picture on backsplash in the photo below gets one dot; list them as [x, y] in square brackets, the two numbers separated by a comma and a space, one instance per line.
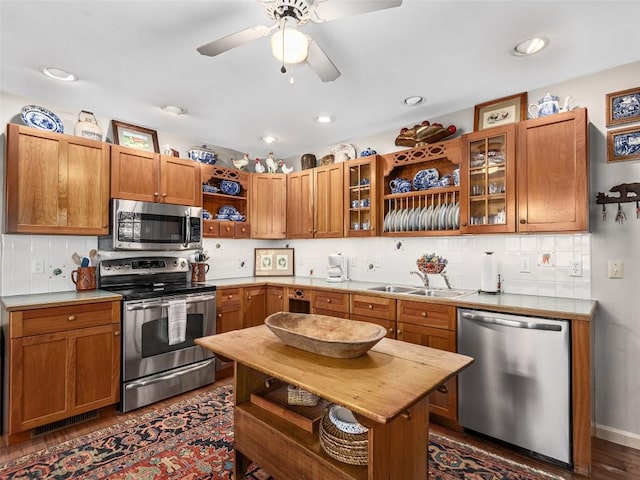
[501, 111]
[623, 107]
[273, 262]
[623, 144]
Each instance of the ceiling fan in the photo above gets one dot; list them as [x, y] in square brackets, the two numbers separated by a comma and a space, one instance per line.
[288, 44]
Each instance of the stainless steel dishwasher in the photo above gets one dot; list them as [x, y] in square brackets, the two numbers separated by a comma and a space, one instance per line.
[519, 387]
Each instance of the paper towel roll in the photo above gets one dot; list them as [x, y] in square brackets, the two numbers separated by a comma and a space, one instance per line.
[489, 273]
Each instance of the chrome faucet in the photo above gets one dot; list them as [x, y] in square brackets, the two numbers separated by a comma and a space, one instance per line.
[446, 280]
[423, 276]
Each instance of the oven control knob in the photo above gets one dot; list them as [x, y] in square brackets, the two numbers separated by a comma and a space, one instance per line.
[183, 263]
[175, 263]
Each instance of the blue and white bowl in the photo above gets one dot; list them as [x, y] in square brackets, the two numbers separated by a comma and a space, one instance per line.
[203, 155]
[230, 187]
[227, 210]
[221, 216]
[237, 217]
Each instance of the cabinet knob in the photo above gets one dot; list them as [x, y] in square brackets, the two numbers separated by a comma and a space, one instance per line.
[72, 318]
[328, 300]
[280, 297]
[442, 389]
[230, 297]
[156, 194]
[310, 231]
[248, 297]
[116, 333]
[210, 228]
[164, 194]
[464, 224]
[219, 315]
[391, 330]
[523, 221]
[105, 226]
[370, 306]
[424, 314]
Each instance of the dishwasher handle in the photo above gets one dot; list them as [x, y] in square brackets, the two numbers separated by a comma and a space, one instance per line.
[511, 323]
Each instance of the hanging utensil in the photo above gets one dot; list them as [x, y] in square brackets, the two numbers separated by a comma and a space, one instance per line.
[620, 216]
[93, 255]
[77, 259]
[637, 209]
[604, 212]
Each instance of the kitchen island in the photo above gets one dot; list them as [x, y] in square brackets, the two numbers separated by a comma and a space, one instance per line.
[386, 389]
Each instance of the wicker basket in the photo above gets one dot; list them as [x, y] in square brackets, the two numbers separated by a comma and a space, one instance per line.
[298, 396]
[428, 267]
[345, 447]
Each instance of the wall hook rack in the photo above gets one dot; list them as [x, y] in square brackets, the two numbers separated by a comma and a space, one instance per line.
[629, 192]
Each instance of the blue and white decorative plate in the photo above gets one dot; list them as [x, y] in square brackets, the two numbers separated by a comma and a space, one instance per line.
[425, 179]
[227, 210]
[230, 187]
[38, 117]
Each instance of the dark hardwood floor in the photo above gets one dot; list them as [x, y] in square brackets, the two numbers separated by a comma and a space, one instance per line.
[610, 461]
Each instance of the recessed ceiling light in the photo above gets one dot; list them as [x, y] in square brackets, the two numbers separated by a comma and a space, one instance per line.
[173, 109]
[269, 139]
[59, 74]
[529, 46]
[324, 119]
[413, 100]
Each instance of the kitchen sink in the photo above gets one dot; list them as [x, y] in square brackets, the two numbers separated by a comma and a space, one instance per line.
[392, 289]
[428, 292]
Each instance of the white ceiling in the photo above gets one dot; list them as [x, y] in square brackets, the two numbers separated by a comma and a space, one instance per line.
[133, 56]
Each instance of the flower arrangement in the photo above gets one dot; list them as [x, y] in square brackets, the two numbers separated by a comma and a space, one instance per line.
[431, 263]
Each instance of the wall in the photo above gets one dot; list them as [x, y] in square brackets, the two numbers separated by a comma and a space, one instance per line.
[617, 330]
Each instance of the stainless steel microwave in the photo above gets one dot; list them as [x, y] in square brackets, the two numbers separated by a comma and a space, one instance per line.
[153, 226]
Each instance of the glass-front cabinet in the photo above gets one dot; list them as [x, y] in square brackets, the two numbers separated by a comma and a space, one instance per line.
[488, 172]
[360, 203]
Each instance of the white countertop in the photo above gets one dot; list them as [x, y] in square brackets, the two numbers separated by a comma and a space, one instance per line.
[39, 300]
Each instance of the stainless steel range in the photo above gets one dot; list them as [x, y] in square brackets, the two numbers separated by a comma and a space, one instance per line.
[162, 314]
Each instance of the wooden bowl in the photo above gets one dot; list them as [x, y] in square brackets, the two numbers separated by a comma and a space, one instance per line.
[324, 335]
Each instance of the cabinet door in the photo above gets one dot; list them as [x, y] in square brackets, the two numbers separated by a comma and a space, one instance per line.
[255, 304]
[328, 201]
[275, 300]
[135, 174]
[553, 173]
[360, 197]
[180, 181]
[268, 199]
[488, 169]
[59, 375]
[300, 204]
[444, 400]
[56, 184]
[229, 311]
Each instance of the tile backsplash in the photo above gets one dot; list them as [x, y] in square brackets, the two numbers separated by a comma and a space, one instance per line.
[379, 259]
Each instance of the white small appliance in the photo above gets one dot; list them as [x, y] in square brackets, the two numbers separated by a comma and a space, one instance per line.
[337, 268]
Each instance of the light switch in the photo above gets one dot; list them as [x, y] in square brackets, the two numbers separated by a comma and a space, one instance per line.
[525, 264]
[616, 269]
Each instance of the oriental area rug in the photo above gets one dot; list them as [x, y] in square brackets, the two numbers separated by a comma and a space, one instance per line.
[193, 440]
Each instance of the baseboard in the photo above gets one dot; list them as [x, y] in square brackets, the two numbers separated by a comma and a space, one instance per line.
[621, 437]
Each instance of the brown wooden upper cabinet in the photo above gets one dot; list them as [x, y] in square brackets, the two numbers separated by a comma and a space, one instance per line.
[315, 202]
[362, 179]
[55, 183]
[268, 200]
[552, 174]
[526, 177]
[151, 177]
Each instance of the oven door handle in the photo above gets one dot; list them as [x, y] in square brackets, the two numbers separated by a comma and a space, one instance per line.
[189, 300]
[173, 374]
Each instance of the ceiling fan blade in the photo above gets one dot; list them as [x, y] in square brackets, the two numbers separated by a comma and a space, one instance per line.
[234, 40]
[320, 63]
[334, 9]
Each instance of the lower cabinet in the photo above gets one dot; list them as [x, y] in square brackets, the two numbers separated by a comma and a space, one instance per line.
[378, 310]
[228, 310]
[432, 325]
[275, 300]
[63, 361]
[335, 304]
[254, 306]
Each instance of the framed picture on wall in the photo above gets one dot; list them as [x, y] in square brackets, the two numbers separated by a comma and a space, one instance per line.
[129, 135]
[623, 107]
[623, 144]
[500, 112]
[273, 262]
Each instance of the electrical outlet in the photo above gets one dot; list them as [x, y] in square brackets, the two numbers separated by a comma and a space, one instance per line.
[37, 267]
[575, 268]
[354, 261]
[525, 264]
[616, 269]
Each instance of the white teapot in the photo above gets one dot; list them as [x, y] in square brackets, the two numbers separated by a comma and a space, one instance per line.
[548, 105]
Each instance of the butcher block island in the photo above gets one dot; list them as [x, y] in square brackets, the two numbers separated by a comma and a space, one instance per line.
[386, 389]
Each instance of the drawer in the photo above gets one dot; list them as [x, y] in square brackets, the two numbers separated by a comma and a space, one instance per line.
[370, 306]
[227, 296]
[227, 229]
[427, 314]
[210, 228]
[332, 301]
[243, 230]
[59, 319]
[390, 325]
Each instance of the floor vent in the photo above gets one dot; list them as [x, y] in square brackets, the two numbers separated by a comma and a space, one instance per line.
[67, 422]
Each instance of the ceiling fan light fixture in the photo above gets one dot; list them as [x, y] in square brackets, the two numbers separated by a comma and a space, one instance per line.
[59, 74]
[529, 46]
[289, 45]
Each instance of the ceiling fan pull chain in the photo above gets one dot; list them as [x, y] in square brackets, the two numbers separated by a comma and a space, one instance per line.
[283, 26]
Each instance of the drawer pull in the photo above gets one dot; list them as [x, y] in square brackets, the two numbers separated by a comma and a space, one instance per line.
[219, 315]
[424, 314]
[116, 333]
[280, 297]
[72, 318]
[442, 389]
[230, 297]
[328, 300]
[370, 306]
[391, 330]
[406, 415]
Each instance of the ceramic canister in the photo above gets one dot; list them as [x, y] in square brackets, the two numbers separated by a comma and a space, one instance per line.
[87, 126]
